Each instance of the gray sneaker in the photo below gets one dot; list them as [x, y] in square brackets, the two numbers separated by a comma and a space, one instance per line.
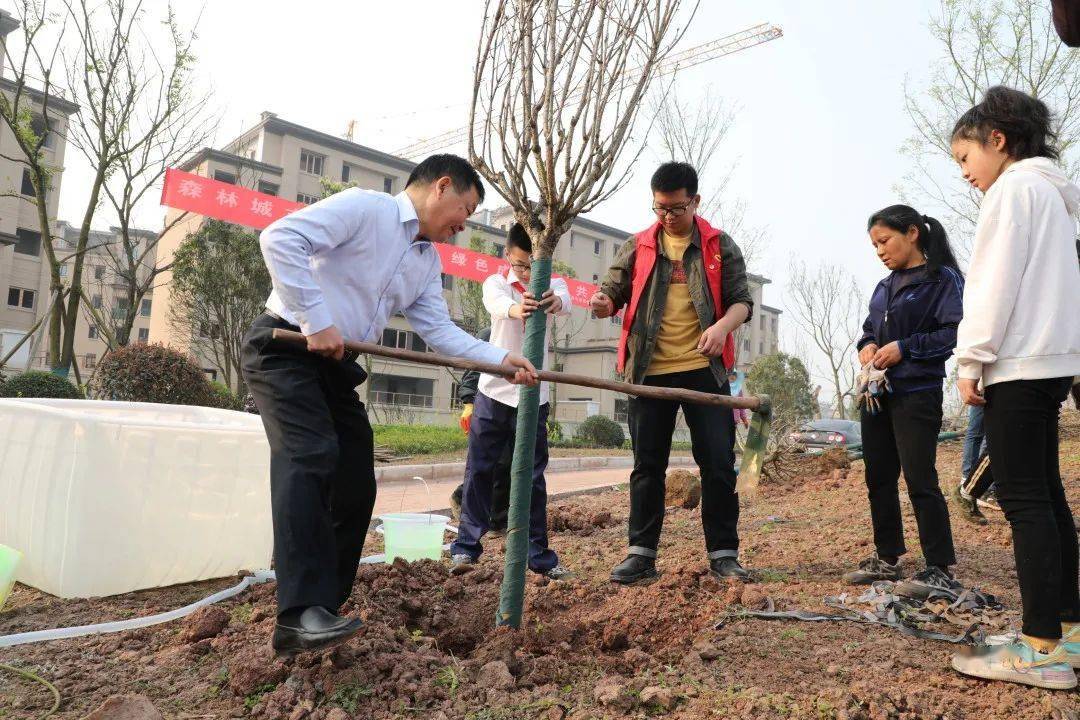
[460, 564]
[931, 581]
[558, 573]
[871, 570]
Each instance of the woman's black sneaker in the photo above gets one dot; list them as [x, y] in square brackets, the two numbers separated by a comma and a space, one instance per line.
[871, 570]
[931, 581]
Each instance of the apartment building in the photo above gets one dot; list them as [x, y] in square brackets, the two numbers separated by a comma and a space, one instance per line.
[24, 272]
[289, 160]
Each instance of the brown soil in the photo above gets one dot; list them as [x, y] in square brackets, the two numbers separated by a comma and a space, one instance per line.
[682, 488]
[587, 649]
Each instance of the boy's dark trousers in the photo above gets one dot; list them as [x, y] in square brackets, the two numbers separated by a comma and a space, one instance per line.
[1022, 429]
[500, 489]
[903, 436]
[322, 467]
[492, 428]
[712, 435]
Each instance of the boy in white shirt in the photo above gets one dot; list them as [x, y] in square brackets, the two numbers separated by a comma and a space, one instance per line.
[494, 417]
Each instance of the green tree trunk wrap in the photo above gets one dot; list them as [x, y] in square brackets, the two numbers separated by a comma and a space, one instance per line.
[512, 592]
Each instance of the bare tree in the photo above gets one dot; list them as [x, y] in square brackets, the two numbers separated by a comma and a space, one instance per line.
[695, 134]
[34, 109]
[827, 308]
[1007, 42]
[137, 113]
[556, 91]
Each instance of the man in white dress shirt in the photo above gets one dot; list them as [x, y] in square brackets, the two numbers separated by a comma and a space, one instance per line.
[494, 417]
[340, 269]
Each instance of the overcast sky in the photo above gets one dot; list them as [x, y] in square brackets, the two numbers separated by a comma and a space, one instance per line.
[817, 138]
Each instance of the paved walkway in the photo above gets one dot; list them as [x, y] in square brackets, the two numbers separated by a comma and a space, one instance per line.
[409, 496]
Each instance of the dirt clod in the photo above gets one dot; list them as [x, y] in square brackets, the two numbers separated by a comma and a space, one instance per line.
[206, 622]
[126, 707]
[682, 489]
[612, 692]
[658, 696]
[495, 675]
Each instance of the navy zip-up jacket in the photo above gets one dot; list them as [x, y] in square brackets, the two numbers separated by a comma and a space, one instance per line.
[920, 310]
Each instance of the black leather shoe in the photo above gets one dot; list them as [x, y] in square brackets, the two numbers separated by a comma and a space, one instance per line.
[634, 568]
[728, 568]
[316, 629]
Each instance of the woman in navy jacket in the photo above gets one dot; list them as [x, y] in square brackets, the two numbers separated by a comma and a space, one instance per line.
[911, 332]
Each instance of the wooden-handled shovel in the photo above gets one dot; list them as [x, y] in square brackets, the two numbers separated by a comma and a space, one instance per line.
[753, 454]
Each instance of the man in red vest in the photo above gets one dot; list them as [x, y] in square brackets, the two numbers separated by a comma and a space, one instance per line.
[683, 284]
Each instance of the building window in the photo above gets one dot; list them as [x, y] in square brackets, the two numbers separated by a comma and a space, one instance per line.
[62, 271]
[761, 347]
[306, 199]
[344, 172]
[42, 127]
[746, 345]
[311, 163]
[596, 248]
[622, 410]
[774, 326]
[21, 298]
[95, 302]
[27, 183]
[402, 391]
[571, 234]
[388, 185]
[595, 278]
[144, 307]
[99, 272]
[90, 361]
[225, 177]
[27, 242]
[403, 339]
[762, 321]
[455, 401]
[268, 188]
[144, 335]
[93, 333]
[210, 373]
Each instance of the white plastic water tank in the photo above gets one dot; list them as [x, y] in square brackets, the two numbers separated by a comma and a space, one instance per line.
[109, 497]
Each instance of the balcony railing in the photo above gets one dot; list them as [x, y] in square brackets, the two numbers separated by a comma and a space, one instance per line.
[381, 397]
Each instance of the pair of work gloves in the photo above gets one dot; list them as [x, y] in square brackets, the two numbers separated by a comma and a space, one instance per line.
[871, 385]
[466, 417]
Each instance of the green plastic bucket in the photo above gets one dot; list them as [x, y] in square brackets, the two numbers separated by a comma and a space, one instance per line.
[413, 536]
[9, 561]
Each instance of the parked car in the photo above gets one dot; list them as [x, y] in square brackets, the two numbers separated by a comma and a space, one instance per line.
[822, 434]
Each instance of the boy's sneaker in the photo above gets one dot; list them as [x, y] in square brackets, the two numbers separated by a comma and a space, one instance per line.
[871, 570]
[1019, 663]
[931, 580]
[1071, 643]
[559, 573]
[989, 501]
[969, 508]
[460, 564]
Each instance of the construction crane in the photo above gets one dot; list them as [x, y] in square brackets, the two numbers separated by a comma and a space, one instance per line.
[688, 58]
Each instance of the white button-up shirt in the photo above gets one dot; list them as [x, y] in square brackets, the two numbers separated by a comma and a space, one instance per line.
[509, 333]
[353, 260]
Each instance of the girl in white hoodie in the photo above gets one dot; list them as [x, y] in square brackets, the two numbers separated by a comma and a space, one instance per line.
[1020, 336]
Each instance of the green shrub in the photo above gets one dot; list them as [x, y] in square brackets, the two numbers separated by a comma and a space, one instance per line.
[224, 398]
[554, 428]
[38, 384]
[152, 373]
[600, 431]
[421, 439]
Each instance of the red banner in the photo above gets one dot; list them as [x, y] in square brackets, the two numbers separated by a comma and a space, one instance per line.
[239, 205]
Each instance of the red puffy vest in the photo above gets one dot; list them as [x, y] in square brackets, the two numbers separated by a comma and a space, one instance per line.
[645, 261]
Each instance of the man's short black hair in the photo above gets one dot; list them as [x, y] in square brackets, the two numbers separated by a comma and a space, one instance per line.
[458, 169]
[518, 238]
[673, 176]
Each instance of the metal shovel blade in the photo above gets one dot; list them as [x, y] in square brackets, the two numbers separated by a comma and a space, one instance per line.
[754, 451]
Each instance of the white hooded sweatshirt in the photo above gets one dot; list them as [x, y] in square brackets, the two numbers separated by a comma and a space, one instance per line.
[1022, 296]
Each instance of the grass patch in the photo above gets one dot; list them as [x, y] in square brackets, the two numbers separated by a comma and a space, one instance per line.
[348, 696]
[792, 634]
[420, 439]
[241, 614]
[253, 699]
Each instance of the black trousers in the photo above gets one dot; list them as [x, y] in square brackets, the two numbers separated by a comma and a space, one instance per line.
[322, 466]
[981, 478]
[500, 489]
[1022, 427]
[903, 436]
[712, 436]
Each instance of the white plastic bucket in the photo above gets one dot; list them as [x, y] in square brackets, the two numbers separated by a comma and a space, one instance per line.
[9, 561]
[413, 536]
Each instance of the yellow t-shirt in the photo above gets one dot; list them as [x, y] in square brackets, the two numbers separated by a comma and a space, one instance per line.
[680, 330]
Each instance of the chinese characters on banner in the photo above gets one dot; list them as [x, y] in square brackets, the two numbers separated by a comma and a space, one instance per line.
[239, 205]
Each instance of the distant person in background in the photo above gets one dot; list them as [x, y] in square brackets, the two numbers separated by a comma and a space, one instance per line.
[742, 415]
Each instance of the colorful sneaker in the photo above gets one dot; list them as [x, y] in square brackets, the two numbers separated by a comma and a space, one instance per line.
[461, 564]
[932, 580]
[1019, 663]
[1071, 643]
[871, 570]
[969, 509]
[559, 573]
[989, 501]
